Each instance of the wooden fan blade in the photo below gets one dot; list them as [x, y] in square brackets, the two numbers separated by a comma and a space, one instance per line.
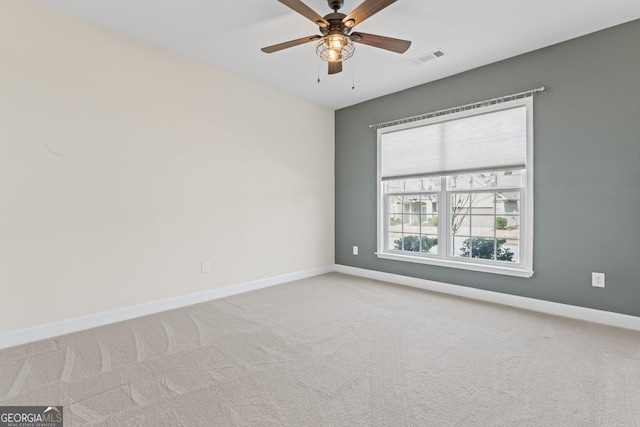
[335, 67]
[388, 43]
[366, 9]
[305, 11]
[280, 46]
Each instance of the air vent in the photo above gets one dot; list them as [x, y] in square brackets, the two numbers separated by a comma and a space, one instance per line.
[428, 57]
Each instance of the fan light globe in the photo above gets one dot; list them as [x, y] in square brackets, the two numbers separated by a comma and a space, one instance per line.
[335, 48]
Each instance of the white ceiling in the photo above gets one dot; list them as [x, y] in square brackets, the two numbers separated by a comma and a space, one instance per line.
[228, 34]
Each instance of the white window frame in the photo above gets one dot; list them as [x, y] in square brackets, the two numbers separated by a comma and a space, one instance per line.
[524, 268]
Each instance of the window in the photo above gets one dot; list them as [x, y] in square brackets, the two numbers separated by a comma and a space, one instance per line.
[457, 190]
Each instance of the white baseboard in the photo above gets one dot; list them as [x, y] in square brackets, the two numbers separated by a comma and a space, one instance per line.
[54, 329]
[557, 309]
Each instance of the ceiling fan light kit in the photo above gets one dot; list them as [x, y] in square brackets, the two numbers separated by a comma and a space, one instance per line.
[336, 43]
[335, 48]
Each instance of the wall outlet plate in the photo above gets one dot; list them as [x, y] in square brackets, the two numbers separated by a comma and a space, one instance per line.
[205, 267]
[597, 280]
[355, 250]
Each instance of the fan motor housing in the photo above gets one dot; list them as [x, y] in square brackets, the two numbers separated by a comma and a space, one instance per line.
[335, 24]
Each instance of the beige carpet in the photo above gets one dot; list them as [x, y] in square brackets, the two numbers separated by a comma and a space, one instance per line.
[334, 351]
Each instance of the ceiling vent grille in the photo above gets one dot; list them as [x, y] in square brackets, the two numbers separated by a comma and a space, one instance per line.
[428, 57]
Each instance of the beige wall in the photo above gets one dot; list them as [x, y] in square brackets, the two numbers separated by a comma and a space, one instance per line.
[122, 167]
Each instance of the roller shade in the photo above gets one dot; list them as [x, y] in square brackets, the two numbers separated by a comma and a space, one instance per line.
[486, 141]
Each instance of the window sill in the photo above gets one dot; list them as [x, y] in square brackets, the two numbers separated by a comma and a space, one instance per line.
[507, 271]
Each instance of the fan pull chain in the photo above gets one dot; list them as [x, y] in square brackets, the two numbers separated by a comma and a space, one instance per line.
[353, 77]
[318, 71]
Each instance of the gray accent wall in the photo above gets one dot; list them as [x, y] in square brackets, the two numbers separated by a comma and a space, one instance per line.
[587, 169]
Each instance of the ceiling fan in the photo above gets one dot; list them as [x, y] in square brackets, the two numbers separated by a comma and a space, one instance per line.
[335, 45]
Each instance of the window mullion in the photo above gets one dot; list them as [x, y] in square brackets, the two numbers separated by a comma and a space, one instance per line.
[386, 225]
[420, 223]
[443, 220]
[495, 226]
[402, 241]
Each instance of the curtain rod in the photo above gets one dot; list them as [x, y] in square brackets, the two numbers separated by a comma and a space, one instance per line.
[465, 107]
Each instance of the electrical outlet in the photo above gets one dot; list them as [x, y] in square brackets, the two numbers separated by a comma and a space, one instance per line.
[597, 280]
[355, 250]
[205, 267]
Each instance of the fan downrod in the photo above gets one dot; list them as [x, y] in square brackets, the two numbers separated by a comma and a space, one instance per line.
[335, 4]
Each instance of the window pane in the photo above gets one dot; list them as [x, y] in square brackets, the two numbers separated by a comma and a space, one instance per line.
[411, 243]
[413, 184]
[508, 202]
[508, 226]
[394, 186]
[509, 250]
[395, 223]
[395, 241]
[461, 225]
[411, 223]
[482, 203]
[411, 203]
[460, 201]
[480, 247]
[431, 183]
[429, 203]
[412, 207]
[460, 208]
[483, 226]
[460, 182]
[395, 205]
[483, 180]
[491, 249]
[510, 178]
[429, 244]
[457, 245]
[430, 224]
